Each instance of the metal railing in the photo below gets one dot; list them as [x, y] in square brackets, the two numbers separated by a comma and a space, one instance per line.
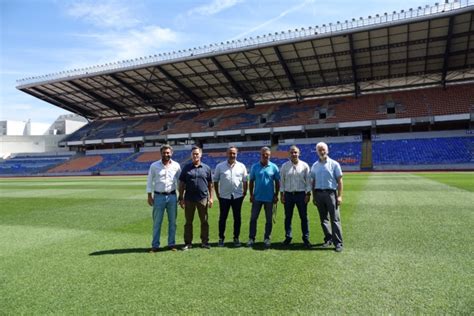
[297, 34]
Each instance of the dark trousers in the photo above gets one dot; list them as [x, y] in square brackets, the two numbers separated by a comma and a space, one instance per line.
[189, 210]
[292, 199]
[256, 207]
[329, 216]
[224, 206]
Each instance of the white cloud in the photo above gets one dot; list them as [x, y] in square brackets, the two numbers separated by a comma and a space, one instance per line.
[274, 19]
[107, 14]
[133, 43]
[213, 7]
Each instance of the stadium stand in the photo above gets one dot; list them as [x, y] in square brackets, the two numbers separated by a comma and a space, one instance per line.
[433, 150]
[404, 104]
[281, 91]
[30, 164]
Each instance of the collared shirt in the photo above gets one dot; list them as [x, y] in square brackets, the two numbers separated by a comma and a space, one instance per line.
[264, 177]
[196, 180]
[230, 179]
[295, 178]
[163, 178]
[326, 174]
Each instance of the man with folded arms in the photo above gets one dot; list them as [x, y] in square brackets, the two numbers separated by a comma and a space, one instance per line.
[295, 189]
[162, 181]
[327, 196]
[230, 185]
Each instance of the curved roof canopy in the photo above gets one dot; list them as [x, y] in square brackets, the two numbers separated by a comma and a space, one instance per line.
[432, 45]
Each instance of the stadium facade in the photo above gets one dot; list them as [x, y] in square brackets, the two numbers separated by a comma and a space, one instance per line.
[393, 91]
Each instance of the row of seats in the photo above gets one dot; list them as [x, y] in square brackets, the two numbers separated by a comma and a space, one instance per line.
[430, 151]
[25, 166]
[414, 103]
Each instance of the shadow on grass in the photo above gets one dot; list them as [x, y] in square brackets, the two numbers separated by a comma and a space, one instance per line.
[124, 251]
[291, 247]
[259, 246]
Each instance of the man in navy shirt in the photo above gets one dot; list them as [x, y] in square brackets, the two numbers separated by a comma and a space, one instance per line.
[195, 192]
[263, 188]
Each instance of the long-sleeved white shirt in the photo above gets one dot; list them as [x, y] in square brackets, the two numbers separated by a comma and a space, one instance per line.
[163, 178]
[230, 179]
[295, 178]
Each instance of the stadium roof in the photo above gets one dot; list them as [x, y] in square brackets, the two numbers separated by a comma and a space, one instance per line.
[425, 46]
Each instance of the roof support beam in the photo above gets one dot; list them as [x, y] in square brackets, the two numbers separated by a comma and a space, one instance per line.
[101, 99]
[183, 88]
[249, 102]
[354, 68]
[135, 91]
[45, 96]
[287, 72]
[446, 52]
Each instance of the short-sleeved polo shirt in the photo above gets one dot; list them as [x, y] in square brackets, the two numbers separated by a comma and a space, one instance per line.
[264, 177]
[196, 180]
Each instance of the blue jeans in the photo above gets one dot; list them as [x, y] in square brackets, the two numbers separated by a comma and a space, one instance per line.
[256, 207]
[292, 199]
[169, 203]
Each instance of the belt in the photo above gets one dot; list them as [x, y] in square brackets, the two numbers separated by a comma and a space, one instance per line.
[166, 193]
[295, 192]
[326, 190]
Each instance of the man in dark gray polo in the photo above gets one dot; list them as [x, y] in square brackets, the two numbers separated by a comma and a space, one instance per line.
[326, 174]
[195, 192]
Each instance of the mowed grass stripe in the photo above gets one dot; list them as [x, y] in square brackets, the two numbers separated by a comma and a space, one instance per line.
[461, 180]
[106, 269]
[414, 240]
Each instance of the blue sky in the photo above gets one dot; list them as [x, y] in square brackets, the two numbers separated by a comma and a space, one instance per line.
[39, 37]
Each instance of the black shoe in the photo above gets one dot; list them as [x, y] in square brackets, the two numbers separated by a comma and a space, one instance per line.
[338, 248]
[307, 244]
[172, 248]
[154, 249]
[287, 241]
[327, 244]
[237, 242]
[251, 242]
[187, 247]
[206, 246]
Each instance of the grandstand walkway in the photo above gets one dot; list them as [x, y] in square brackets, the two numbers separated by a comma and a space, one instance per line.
[366, 161]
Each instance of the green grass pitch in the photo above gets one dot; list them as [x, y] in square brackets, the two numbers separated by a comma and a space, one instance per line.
[79, 246]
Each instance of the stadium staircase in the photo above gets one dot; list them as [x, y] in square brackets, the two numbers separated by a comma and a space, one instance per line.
[366, 161]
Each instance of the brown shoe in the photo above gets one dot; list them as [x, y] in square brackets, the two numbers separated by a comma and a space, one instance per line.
[153, 250]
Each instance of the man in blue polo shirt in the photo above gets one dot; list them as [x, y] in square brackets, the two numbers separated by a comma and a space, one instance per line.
[264, 186]
[195, 192]
[327, 195]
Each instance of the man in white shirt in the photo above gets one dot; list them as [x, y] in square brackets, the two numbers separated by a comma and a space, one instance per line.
[230, 185]
[295, 189]
[162, 181]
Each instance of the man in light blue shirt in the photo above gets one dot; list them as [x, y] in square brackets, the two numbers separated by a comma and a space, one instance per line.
[263, 188]
[326, 174]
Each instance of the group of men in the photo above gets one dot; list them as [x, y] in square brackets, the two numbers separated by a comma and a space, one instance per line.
[193, 186]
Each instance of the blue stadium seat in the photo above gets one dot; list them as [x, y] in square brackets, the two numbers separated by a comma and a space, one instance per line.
[430, 151]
